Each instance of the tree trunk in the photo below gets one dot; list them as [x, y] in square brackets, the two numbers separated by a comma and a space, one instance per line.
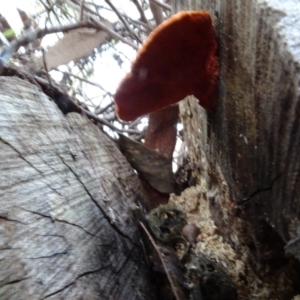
[69, 205]
[245, 154]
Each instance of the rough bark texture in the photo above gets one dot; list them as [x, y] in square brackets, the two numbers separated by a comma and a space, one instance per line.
[68, 214]
[69, 205]
[245, 154]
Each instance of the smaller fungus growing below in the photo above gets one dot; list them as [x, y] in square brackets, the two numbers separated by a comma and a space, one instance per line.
[178, 59]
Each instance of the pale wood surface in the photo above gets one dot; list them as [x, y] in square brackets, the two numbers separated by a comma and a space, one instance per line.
[69, 205]
[252, 138]
[254, 132]
[68, 214]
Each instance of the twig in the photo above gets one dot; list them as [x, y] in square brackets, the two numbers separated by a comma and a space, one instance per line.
[157, 12]
[142, 14]
[101, 110]
[163, 5]
[37, 34]
[162, 259]
[114, 34]
[89, 114]
[139, 24]
[81, 10]
[145, 25]
[123, 21]
[85, 80]
[104, 28]
[138, 137]
[45, 67]
[111, 45]
[136, 122]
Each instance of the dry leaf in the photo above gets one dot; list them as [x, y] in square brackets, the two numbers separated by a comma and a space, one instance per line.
[74, 45]
[155, 168]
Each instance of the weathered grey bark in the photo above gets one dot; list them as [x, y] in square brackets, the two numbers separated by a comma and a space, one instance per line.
[253, 135]
[67, 196]
[69, 205]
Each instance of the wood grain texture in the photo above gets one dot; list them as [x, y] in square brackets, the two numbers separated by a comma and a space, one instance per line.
[69, 205]
[254, 134]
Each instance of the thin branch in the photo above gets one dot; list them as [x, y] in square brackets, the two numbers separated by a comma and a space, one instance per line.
[81, 10]
[141, 11]
[163, 5]
[114, 34]
[136, 122]
[87, 10]
[90, 114]
[177, 293]
[157, 12]
[85, 80]
[123, 21]
[139, 24]
[62, 13]
[111, 117]
[145, 25]
[111, 45]
[101, 110]
[46, 68]
[138, 137]
[37, 34]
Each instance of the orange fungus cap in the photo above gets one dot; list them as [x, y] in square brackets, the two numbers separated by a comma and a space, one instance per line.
[176, 60]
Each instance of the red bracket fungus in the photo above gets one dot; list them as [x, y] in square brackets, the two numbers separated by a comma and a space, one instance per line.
[178, 59]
